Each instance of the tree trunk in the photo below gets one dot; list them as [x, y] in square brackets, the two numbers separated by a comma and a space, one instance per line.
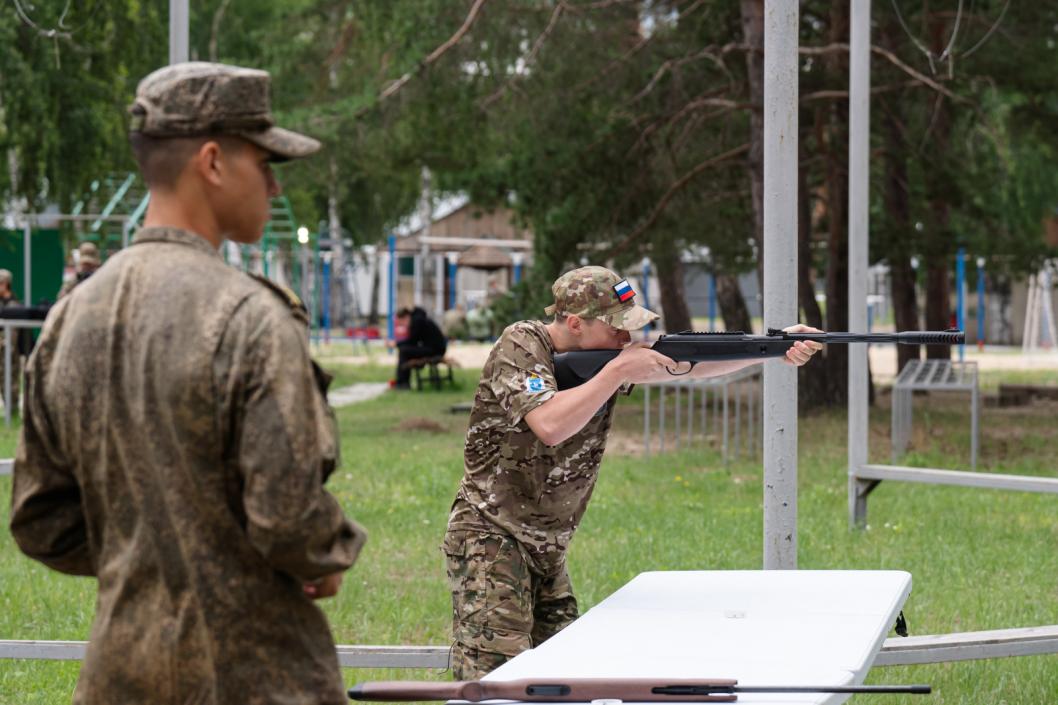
[753, 36]
[837, 176]
[898, 208]
[812, 384]
[905, 304]
[837, 313]
[938, 303]
[338, 303]
[674, 310]
[939, 246]
[806, 290]
[732, 305]
[376, 279]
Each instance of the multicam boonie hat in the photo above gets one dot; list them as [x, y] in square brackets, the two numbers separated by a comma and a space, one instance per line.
[596, 292]
[199, 98]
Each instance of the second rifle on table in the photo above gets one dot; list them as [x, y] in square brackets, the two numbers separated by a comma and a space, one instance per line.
[585, 690]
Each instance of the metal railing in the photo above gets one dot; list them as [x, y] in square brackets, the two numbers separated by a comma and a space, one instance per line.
[733, 402]
[8, 324]
[898, 651]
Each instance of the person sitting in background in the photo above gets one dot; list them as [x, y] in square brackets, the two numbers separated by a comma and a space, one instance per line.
[424, 339]
[7, 298]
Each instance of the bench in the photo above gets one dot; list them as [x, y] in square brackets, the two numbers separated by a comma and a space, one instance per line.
[438, 371]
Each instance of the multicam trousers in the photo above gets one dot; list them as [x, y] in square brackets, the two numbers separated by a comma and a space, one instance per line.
[499, 607]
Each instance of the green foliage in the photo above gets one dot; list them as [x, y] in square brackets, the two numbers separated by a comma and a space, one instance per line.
[63, 98]
[590, 119]
[979, 174]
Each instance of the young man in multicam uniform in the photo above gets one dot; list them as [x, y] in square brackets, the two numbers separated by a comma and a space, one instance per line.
[531, 459]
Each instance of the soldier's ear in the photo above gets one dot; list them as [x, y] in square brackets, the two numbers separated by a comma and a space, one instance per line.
[208, 162]
[575, 324]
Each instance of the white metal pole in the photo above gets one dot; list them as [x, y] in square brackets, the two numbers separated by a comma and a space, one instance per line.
[305, 290]
[780, 280]
[419, 261]
[859, 180]
[179, 19]
[1048, 311]
[8, 339]
[426, 214]
[439, 280]
[27, 260]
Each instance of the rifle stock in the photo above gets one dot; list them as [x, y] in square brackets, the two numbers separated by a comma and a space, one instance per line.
[588, 689]
[578, 366]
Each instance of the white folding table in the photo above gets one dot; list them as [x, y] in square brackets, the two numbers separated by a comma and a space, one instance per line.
[796, 627]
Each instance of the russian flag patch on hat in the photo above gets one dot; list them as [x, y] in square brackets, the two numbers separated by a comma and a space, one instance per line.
[624, 291]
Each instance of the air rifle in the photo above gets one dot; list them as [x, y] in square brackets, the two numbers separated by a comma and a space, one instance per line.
[585, 690]
[578, 366]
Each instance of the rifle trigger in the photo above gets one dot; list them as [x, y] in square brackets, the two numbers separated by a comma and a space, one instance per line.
[901, 624]
[681, 374]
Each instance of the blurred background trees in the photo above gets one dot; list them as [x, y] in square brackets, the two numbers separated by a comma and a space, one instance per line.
[615, 129]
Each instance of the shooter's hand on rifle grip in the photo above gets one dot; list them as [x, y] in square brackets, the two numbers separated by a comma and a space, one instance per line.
[802, 350]
[640, 365]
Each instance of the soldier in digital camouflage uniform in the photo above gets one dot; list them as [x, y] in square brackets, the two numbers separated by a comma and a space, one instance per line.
[87, 263]
[7, 298]
[176, 435]
[531, 459]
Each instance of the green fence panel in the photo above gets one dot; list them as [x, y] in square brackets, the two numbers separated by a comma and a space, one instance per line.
[47, 260]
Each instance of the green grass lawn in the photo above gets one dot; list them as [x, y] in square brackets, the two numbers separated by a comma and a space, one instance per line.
[980, 559]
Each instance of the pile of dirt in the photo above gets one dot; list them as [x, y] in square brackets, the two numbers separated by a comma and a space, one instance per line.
[419, 423]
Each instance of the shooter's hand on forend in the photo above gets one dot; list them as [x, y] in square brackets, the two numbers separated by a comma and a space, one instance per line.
[802, 351]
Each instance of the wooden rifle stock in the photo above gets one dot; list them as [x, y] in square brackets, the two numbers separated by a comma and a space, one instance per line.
[588, 689]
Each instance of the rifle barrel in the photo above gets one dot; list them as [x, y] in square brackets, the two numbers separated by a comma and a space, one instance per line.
[914, 689]
[926, 337]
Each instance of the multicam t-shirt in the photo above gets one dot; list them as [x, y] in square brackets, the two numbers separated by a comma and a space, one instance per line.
[512, 481]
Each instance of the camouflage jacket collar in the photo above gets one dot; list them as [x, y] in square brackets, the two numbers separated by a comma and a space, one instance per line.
[175, 236]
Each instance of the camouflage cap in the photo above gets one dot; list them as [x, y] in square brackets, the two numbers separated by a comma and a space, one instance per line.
[199, 98]
[596, 292]
[88, 253]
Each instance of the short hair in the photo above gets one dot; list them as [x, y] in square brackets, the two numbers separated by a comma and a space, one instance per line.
[5, 277]
[162, 159]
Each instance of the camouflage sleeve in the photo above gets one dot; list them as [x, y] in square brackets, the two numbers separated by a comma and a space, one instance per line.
[47, 520]
[523, 375]
[284, 443]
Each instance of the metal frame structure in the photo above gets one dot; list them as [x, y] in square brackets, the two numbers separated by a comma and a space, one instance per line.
[862, 477]
[899, 651]
[735, 389]
[8, 324]
[932, 376]
[1039, 315]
